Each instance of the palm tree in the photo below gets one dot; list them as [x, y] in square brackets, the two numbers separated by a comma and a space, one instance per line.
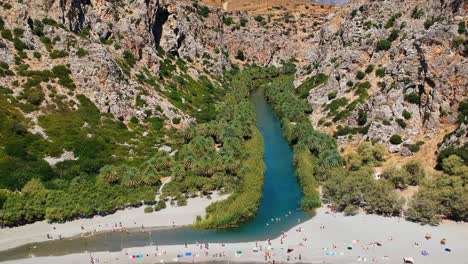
[131, 177]
[109, 174]
[149, 175]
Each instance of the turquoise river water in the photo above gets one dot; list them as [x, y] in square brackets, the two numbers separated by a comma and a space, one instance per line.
[281, 199]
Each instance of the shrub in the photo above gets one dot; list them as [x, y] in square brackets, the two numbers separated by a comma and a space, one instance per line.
[380, 72]
[349, 83]
[360, 75]
[396, 140]
[383, 44]
[81, 52]
[406, 114]
[462, 27]
[332, 95]
[393, 35]
[413, 98]
[176, 120]
[401, 122]
[428, 23]
[203, 11]
[129, 58]
[258, 18]
[6, 34]
[370, 69]
[159, 206]
[243, 22]
[240, 55]
[56, 54]
[37, 54]
[228, 21]
[362, 117]
[417, 13]
[149, 209]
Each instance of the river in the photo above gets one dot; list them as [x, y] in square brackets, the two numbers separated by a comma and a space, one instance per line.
[281, 199]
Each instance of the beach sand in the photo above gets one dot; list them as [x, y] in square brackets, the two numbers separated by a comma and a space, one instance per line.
[129, 218]
[322, 239]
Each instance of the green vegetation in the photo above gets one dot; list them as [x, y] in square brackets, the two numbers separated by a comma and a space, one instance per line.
[360, 75]
[406, 114]
[240, 55]
[370, 69]
[410, 174]
[380, 72]
[228, 21]
[417, 13]
[81, 52]
[444, 196]
[396, 140]
[354, 188]
[413, 98]
[311, 83]
[383, 44]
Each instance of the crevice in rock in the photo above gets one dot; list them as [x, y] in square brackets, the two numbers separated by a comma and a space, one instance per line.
[76, 14]
[160, 18]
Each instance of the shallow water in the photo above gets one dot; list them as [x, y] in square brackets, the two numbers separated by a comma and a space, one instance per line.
[281, 199]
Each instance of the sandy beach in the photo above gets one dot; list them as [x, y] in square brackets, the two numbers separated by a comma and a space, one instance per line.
[128, 218]
[326, 238]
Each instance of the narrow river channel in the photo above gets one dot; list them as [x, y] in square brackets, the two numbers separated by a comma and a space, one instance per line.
[281, 199]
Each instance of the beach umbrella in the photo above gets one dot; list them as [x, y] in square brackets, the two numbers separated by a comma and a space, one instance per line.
[428, 236]
[448, 249]
[425, 253]
[255, 249]
[188, 254]
[290, 250]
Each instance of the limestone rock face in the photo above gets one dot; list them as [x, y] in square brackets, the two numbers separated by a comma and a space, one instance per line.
[425, 73]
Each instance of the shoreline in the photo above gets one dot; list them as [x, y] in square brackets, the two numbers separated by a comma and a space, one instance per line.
[322, 239]
[127, 219]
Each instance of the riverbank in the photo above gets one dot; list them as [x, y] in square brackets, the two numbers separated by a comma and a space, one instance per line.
[129, 218]
[322, 239]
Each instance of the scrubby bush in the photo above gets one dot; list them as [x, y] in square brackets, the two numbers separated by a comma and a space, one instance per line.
[406, 114]
[380, 72]
[240, 55]
[149, 209]
[382, 45]
[396, 140]
[369, 69]
[413, 98]
[360, 75]
[81, 52]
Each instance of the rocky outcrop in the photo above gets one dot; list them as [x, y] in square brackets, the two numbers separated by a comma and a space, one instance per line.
[422, 75]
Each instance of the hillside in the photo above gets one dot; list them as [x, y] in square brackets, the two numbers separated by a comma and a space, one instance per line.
[105, 98]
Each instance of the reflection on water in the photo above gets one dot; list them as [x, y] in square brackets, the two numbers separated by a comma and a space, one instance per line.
[281, 198]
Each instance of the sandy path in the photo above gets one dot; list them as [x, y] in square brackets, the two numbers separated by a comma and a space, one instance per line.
[225, 5]
[397, 238]
[130, 218]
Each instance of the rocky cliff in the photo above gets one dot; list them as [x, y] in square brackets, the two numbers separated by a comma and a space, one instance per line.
[396, 69]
